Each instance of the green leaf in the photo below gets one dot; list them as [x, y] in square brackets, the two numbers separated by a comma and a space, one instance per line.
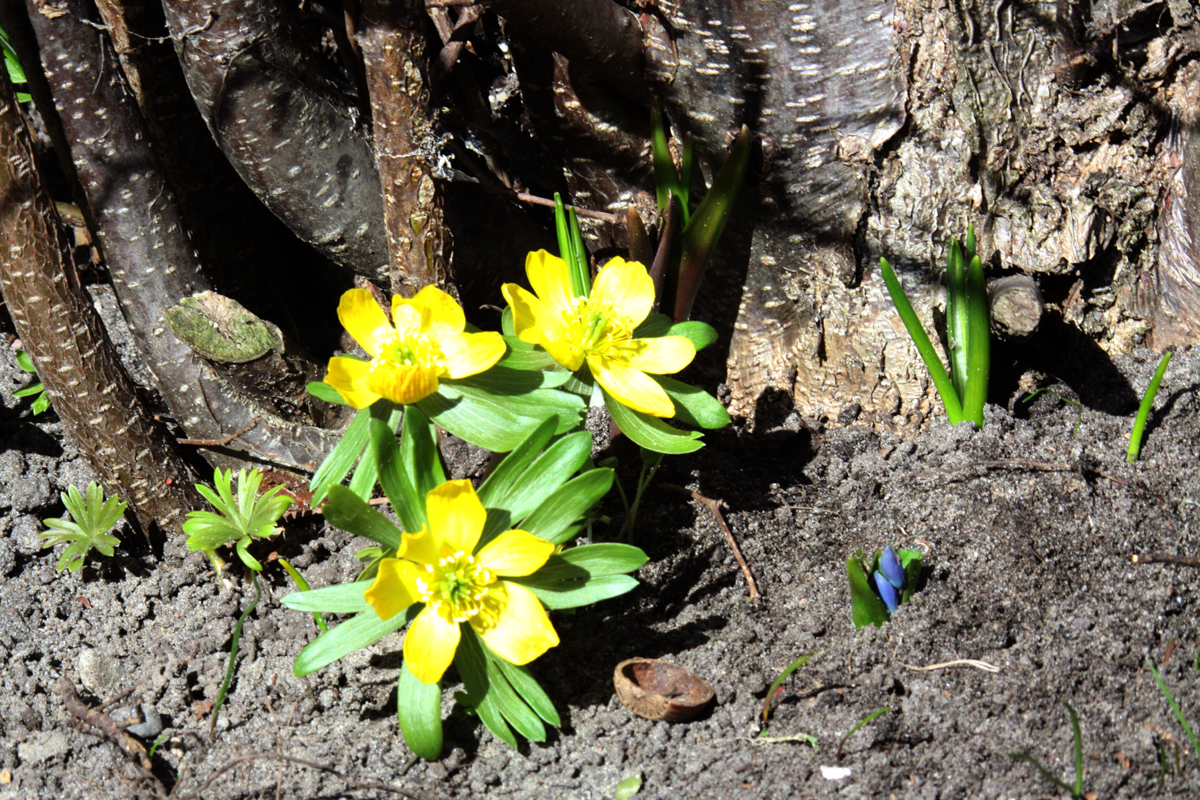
[978, 356]
[912, 324]
[703, 230]
[555, 516]
[572, 594]
[323, 391]
[30, 391]
[353, 634]
[514, 710]
[495, 489]
[627, 788]
[25, 362]
[525, 356]
[494, 413]
[397, 485]
[958, 329]
[40, 404]
[527, 686]
[651, 432]
[419, 453]
[868, 609]
[342, 598]
[910, 562]
[543, 477]
[419, 711]
[337, 464]
[652, 327]
[349, 512]
[694, 406]
[700, 334]
[472, 668]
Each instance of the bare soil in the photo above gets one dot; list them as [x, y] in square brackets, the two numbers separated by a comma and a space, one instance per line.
[1029, 528]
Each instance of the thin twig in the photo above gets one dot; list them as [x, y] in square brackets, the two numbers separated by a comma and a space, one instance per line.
[132, 747]
[1167, 558]
[217, 442]
[715, 507]
[958, 662]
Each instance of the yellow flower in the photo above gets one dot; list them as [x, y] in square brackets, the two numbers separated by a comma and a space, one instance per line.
[423, 341]
[598, 329]
[439, 567]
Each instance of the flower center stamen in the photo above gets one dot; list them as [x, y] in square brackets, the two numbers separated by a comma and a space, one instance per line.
[596, 328]
[411, 350]
[456, 587]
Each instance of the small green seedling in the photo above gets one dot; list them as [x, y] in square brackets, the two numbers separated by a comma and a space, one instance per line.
[862, 722]
[35, 390]
[233, 650]
[774, 692]
[1175, 707]
[1077, 789]
[628, 787]
[239, 520]
[1139, 423]
[968, 332]
[91, 519]
[893, 576]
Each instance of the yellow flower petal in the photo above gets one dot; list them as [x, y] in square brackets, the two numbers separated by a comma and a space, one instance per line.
[440, 313]
[362, 317]
[472, 353]
[515, 553]
[632, 388]
[404, 383]
[430, 644]
[537, 323]
[627, 288]
[422, 547]
[662, 355]
[522, 631]
[394, 588]
[550, 279]
[456, 517]
[349, 377]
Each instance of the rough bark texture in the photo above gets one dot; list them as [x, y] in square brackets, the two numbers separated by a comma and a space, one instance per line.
[145, 239]
[90, 390]
[289, 133]
[393, 42]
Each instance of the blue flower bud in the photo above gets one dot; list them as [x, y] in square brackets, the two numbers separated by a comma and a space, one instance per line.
[889, 565]
[891, 597]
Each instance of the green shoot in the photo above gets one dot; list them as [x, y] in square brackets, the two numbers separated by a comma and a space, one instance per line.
[303, 586]
[233, 648]
[1175, 707]
[162, 737]
[239, 519]
[15, 73]
[868, 718]
[783, 676]
[1077, 790]
[651, 461]
[1139, 423]
[968, 332]
[628, 787]
[570, 247]
[35, 390]
[91, 519]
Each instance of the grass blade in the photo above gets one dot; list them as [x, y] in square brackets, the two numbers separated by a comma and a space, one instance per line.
[233, 649]
[1139, 423]
[783, 676]
[979, 345]
[1175, 707]
[921, 339]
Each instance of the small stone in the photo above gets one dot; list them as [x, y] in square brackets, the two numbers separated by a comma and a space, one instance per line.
[98, 671]
[151, 723]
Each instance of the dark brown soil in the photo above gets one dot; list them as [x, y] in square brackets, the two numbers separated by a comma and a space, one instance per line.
[1029, 531]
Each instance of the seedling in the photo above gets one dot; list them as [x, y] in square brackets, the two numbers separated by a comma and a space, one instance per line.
[233, 649]
[91, 519]
[35, 390]
[239, 519]
[628, 787]
[1077, 789]
[1175, 707]
[1139, 423]
[868, 718]
[968, 332]
[894, 576]
[783, 676]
